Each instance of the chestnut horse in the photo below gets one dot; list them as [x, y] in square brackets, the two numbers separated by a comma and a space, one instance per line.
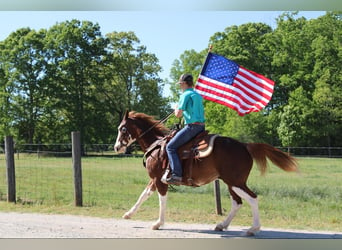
[231, 161]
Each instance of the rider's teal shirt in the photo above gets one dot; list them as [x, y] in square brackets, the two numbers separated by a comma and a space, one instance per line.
[192, 105]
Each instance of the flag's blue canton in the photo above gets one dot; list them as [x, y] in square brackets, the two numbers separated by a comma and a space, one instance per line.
[220, 68]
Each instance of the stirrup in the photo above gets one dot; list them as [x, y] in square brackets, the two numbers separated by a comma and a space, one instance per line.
[174, 180]
[164, 177]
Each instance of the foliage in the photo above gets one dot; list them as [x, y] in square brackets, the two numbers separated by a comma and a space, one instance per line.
[71, 77]
[304, 58]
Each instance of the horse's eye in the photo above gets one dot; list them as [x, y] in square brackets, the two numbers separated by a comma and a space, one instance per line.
[123, 129]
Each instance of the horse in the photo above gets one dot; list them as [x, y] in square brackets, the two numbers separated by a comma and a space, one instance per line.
[231, 161]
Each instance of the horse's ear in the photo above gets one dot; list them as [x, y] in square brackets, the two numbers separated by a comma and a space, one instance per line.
[126, 115]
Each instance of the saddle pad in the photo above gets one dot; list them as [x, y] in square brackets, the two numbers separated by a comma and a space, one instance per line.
[202, 148]
[205, 151]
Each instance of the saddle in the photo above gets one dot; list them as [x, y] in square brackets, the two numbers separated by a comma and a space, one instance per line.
[199, 147]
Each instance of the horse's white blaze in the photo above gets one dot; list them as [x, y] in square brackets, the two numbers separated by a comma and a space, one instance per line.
[253, 202]
[117, 145]
[143, 197]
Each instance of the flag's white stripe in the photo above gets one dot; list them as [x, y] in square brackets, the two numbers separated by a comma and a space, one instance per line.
[227, 86]
[247, 84]
[240, 101]
[253, 85]
[222, 99]
[251, 92]
[228, 93]
[264, 82]
[232, 88]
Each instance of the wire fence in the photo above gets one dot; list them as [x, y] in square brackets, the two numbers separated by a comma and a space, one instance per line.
[330, 152]
[64, 150]
[44, 173]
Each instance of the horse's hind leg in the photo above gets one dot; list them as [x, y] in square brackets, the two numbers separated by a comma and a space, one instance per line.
[148, 191]
[251, 198]
[236, 205]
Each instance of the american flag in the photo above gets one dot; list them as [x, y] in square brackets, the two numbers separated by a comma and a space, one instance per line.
[224, 81]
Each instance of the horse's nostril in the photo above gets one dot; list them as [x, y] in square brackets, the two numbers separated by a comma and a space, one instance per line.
[116, 148]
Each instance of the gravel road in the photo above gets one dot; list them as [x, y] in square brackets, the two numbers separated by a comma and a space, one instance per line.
[27, 225]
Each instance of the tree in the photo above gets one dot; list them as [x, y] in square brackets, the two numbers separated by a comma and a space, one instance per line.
[5, 119]
[76, 53]
[70, 77]
[298, 120]
[134, 83]
[24, 80]
[189, 62]
[303, 57]
[311, 51]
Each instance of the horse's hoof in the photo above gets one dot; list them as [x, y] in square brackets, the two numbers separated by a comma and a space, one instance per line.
[249, 234]
[219, 228]
[126, 216]
[156, 226]
[252, 232]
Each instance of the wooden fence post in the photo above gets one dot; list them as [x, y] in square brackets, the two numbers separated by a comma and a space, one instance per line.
[9, 152]
[77, 166]
[218, 197]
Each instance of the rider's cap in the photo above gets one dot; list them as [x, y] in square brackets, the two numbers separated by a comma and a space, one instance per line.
[185, 78]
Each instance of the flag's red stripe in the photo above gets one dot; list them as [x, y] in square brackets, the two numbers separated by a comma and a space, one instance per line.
[253, 102]
[230, 106]
[225, 104]
[269, 81]
[211, 84]
[228, 96]
[224, 93]
[255, 83]
[250, 91]
[225, 97]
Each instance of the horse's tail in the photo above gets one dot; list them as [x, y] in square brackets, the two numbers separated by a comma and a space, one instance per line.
[261, 151]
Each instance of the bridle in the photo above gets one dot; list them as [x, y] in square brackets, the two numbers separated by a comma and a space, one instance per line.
[148, 130]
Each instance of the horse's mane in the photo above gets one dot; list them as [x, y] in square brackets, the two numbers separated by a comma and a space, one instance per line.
[150, 121]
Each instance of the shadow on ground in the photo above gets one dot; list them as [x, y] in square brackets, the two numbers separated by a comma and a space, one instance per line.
[265, 234]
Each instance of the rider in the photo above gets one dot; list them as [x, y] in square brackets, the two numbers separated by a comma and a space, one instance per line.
[190, 106]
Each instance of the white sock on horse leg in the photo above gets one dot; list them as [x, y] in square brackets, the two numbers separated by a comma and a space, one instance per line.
[143, 197]
[253, 202]
[162, 210]
[234, 209]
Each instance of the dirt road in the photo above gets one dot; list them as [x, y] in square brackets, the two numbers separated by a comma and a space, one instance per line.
[25, 225]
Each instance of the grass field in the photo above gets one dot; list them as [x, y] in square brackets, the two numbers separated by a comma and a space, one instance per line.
[309, 200]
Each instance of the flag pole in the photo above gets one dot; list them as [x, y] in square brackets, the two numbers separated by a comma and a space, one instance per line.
[209, 51]
[217, 192]
[210, 48]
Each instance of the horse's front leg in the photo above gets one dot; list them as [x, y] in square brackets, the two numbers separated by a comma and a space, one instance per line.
[162, 193]
[148, 191]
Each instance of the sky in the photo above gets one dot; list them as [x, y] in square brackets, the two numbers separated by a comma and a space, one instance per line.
[167, 34]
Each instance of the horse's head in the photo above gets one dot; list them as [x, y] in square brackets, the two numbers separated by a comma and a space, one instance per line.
[126, 134]
[138, 126]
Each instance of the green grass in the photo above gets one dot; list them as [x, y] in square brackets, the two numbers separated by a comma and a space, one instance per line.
[309, 200]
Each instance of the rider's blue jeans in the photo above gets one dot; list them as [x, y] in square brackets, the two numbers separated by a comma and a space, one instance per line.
[183, 136]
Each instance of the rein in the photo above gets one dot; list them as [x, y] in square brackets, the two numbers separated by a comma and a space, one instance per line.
[152, 127]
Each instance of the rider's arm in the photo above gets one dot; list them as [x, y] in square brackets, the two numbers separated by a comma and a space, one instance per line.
[178, 112]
